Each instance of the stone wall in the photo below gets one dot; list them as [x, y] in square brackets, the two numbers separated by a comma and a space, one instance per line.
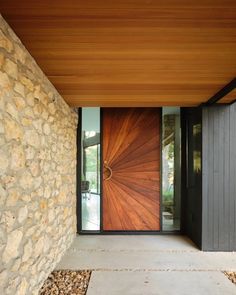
[37, 170]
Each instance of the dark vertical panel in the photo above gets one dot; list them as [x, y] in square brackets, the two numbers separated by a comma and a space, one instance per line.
[210, 172]
[215, 196]
[231, 184]
[234, 168]
[219, 178]
[232, 177]
[192, 176]
[226, 177]
[101, 169]
[221, 232]
[78, 171]
[234, 163]
[183, 170]
[205, 174]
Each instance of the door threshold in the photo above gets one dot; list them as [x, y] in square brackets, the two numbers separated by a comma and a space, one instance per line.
[84, 232]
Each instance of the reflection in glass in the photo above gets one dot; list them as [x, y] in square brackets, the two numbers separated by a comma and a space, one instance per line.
[197, 157]
[171, 174]
[90, 174]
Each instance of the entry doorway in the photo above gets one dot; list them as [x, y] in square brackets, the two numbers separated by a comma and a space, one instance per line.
[131, 169]
[129, 176]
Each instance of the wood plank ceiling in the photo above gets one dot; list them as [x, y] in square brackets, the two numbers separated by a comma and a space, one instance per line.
[130, 52]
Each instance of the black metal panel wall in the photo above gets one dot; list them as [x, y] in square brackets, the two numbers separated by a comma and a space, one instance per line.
[219, 178]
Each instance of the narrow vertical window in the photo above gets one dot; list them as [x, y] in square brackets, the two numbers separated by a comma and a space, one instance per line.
[90, 174]
[171, 169]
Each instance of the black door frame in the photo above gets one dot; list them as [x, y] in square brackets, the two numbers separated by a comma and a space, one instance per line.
[79, 195]
[191, 220]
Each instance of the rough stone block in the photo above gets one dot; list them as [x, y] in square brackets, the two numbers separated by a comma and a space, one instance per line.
[12, 129]
[5, 42]
[13, 241]
[19, 88]
[11, 68]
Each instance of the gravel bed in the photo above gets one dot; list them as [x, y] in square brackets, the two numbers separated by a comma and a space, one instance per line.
[66, 282]
[231, 276]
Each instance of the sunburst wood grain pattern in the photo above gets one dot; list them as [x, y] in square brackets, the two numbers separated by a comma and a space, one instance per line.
[131, 150]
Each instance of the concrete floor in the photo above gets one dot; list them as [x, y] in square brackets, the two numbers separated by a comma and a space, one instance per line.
[149, 265]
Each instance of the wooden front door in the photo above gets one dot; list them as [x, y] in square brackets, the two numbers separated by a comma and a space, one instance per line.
[131, 169]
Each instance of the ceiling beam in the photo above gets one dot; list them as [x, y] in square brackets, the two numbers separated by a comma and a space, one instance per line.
[221, 93]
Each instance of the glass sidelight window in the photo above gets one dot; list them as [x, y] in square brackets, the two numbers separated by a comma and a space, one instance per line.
[171, 168]
[90, 166]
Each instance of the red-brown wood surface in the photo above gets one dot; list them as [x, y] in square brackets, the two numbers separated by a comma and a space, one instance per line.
[131, 182]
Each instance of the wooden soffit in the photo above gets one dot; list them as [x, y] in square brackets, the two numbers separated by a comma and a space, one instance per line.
[130, 52]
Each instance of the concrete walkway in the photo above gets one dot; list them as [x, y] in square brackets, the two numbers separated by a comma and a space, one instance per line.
[149, 265]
